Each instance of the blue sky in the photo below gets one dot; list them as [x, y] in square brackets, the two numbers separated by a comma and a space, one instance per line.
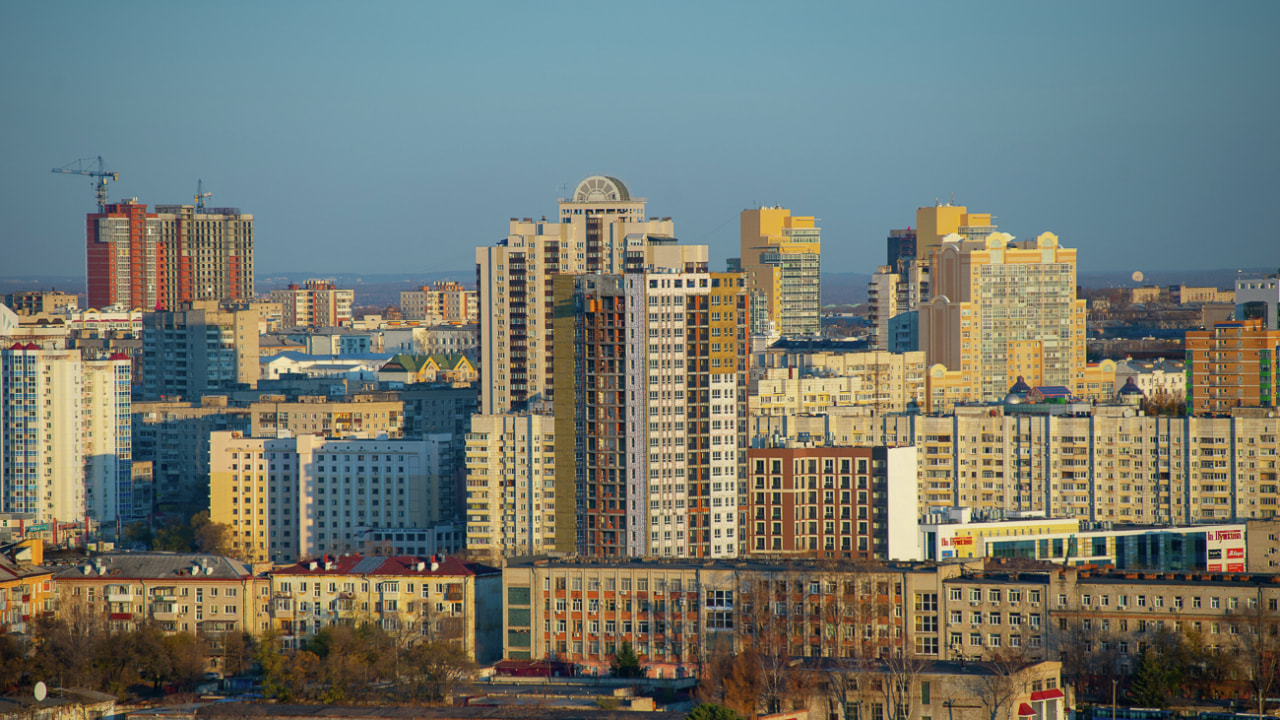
[394, 137]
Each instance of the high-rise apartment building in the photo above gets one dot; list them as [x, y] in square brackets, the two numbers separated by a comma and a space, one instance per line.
[316, 304]
[1001, 310]
[108, 442]
[650, 420]
[1234, 364]
[198, 349]
[42, 427]
[511, 502]
[178, 254]
[601, 228]
[442, 302]
[781, 255]
[65, 435]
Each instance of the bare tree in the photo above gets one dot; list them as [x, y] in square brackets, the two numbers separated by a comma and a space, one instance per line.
[1258, 649]
[999, 682]
[899, 676]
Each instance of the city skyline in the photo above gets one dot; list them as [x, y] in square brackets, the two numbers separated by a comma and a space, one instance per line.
[342, 130]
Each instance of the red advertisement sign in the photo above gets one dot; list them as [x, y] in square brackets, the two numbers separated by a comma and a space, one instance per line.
[1235, 552]
[1235, 567]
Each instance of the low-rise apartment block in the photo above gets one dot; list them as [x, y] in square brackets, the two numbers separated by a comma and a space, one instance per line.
[415, 598]
[207, 595]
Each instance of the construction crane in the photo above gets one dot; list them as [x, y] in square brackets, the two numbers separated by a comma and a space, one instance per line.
[84, 166]
[201, 195]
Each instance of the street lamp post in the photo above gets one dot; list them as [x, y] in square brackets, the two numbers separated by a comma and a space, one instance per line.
[1114, 681]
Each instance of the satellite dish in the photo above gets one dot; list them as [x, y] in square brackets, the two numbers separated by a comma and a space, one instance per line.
[41, 692]
[1137, 276]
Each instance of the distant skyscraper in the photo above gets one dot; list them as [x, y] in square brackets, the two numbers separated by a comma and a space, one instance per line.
[1002, 310]
[651, 414]
[781, 255]
[180, 253]
[601, 229]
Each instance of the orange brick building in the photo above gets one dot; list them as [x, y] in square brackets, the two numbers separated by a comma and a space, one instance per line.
[1232, 365]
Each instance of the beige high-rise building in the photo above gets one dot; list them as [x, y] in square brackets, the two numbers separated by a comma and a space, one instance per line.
[291, 498]
[1001, 310]
[781, 255]
[511, 484]
[42, 438]
[935, 223]
[601, 228]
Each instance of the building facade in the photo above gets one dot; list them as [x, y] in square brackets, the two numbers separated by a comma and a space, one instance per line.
[354, 416]
[442, 302]
[207, 595]
[43, 430]
[798, 382]
[829, 502]
[295, 498]
[1096, 463]
[652, 430]
[173, 436]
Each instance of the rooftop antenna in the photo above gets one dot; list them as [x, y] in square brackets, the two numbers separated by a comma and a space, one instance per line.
[952, 201]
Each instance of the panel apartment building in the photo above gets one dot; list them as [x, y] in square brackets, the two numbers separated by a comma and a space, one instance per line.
[1098, 463]
[287, 499]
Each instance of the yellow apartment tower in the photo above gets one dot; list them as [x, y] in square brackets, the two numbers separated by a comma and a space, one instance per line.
[1001, 310]
[781, 255]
